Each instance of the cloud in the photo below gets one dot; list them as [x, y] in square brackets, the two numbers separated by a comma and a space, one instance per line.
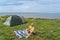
[13, 8]
[48, 2]
[30, 5]
[16, 7]
[8, 4]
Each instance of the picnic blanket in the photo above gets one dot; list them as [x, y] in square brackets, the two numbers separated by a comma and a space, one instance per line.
[21, 33]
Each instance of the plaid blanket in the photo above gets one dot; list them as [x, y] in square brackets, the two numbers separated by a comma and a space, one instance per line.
[21, 33]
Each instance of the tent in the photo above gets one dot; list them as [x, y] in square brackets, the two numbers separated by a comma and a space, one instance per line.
[14, 20]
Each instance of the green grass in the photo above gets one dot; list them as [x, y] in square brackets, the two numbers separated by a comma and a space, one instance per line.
[48, 29]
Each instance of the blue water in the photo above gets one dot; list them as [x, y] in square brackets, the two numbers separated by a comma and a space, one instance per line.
[35, 15]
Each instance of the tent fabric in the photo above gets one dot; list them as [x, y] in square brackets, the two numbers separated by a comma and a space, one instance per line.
[7, 22]
[21, 33]
[14, 20]
[23, 19]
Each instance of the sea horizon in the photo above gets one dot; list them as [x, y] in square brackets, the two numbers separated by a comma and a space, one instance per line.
[34, 15]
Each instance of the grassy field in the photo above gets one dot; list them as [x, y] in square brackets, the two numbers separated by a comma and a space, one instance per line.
[47, 29]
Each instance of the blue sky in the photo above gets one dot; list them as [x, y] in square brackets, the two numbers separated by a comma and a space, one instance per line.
[42, 6]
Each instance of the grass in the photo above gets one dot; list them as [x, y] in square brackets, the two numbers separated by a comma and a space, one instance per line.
[48, 29]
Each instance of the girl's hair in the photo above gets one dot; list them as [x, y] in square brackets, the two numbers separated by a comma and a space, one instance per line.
[32, 24]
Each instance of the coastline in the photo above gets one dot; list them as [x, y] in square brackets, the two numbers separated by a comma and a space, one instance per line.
[35, 15]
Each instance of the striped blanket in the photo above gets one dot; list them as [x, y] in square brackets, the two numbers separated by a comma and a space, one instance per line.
[21, 33]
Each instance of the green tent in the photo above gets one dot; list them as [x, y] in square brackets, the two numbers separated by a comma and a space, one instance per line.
[14, 20]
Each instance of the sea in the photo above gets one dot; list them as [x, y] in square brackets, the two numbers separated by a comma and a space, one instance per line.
[35, 15]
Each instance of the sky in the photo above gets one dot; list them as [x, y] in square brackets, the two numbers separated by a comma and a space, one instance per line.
[42, 6]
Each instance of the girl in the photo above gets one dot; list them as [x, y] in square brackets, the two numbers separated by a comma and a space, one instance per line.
[30, 29]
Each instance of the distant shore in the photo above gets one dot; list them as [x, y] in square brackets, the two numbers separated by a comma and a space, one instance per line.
[35, 15]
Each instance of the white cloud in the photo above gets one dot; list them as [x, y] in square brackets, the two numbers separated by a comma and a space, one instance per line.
[25, 6]
[20, 8]
[30, 6]
[13, 8]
